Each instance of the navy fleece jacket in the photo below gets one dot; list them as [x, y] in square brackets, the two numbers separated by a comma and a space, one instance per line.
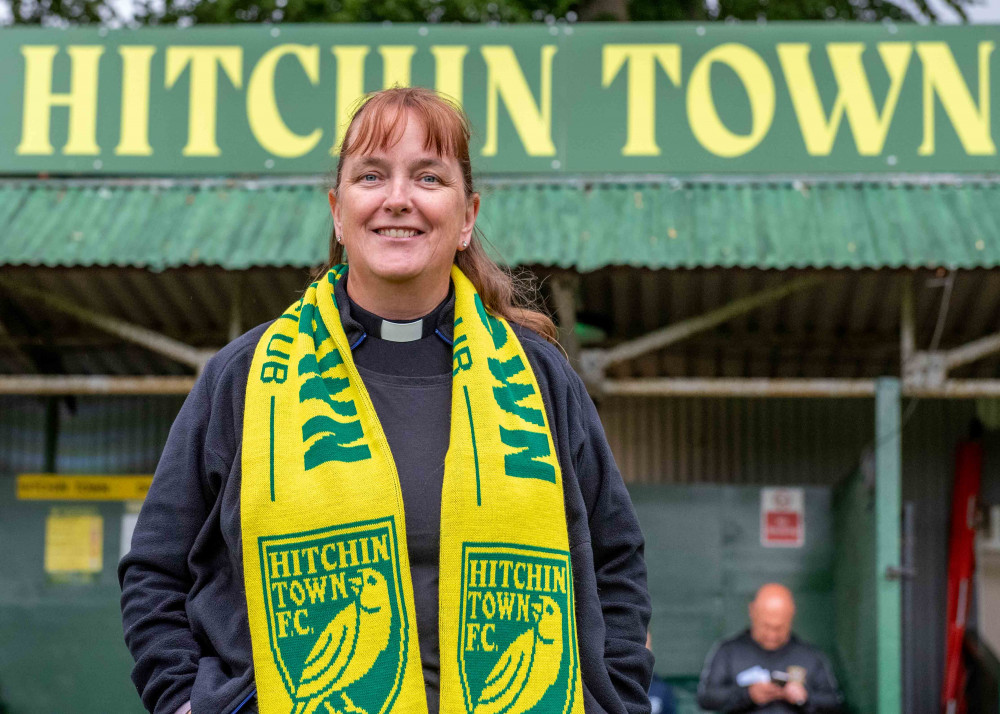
[734, 664]
[183, 602]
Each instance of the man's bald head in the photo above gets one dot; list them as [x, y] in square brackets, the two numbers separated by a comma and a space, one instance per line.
[771, 614]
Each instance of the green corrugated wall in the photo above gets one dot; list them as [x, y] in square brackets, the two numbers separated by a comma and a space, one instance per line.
[854, 592]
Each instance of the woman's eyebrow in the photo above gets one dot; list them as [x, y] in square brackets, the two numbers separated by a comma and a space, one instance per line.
[373, 161]
[381, 163]
[427, 162]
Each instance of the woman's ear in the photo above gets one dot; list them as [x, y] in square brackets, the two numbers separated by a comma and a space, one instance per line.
[334, 211]
[471, 213]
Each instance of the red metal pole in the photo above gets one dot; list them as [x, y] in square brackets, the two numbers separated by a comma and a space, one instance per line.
[961, 565]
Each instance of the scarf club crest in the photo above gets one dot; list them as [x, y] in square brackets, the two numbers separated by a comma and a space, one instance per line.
[335, 617]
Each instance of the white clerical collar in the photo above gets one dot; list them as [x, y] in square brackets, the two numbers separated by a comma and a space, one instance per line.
[402, 331]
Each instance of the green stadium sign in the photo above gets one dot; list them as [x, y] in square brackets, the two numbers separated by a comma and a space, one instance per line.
[681, 99]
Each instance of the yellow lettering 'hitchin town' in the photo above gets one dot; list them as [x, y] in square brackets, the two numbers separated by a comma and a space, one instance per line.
[525, 98]
[39, 100]
[869, 125]
[266, 123]
[502, 590]
[316, 575]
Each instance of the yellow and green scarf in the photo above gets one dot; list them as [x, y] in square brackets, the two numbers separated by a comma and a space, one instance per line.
[327, 576]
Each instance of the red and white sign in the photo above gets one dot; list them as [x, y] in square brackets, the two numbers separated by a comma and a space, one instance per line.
[782, 517]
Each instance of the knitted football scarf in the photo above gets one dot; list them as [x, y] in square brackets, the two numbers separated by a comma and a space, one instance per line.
[328, 587]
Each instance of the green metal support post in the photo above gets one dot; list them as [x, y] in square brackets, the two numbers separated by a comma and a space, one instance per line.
[888, 485]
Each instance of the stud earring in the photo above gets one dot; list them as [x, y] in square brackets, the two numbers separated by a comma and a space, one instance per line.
[339, 239]
[465, 244]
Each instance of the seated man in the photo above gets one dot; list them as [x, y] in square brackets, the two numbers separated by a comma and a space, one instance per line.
[767, 668]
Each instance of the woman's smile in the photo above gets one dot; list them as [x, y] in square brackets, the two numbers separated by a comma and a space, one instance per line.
[399, 232]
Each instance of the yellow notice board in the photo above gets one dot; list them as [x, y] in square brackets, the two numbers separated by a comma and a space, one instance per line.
[74, 542]
[50, 487]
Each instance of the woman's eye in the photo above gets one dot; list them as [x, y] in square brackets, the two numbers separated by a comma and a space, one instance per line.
[429, 179]
[369, 178]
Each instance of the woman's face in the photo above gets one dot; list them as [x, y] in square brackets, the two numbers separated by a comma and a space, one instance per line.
[402, 213]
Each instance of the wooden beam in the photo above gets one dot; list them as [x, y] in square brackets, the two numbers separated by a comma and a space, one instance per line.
[972, 351]
[235, 307]
[956, 389]
[48, 385]
[907, 331]
[564, 289]
[658, 339]
[794, 388]
[737, 387]
[55, 385]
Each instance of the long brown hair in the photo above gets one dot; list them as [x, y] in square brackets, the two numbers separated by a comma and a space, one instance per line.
[377, 125]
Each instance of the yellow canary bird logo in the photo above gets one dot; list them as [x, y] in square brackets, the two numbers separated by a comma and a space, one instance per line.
[346, 648]
[528, 667]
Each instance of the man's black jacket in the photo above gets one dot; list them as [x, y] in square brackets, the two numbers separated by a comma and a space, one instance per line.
[734, 664]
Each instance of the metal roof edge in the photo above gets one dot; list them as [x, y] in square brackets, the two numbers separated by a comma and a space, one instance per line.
[164, 182]
[504, 180]
[790, 180]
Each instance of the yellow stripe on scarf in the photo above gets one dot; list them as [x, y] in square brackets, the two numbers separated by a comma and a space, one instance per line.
[329, 593]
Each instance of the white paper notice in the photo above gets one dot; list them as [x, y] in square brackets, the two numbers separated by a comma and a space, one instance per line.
[128, 526]
[782, 517]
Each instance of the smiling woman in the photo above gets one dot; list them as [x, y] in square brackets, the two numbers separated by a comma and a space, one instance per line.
[437, 132]
[396, 497]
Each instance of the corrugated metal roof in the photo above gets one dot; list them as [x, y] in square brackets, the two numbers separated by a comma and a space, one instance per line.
[158, 228]
[578, 225]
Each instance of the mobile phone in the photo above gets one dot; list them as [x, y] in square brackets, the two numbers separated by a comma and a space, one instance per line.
[779, 678]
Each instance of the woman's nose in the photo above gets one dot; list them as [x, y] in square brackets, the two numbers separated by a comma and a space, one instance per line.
[398, 198]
